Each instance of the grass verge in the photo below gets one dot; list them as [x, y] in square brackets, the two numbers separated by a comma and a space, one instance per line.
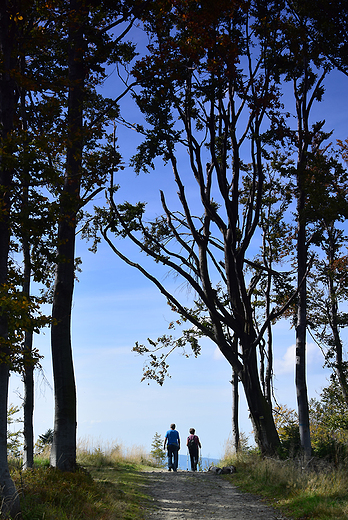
[300, 493]
[103, 489]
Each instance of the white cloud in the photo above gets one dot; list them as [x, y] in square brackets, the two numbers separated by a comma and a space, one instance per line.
[314, 355]
[286, 365]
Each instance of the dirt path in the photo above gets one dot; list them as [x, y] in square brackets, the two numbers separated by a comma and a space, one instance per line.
[193, 496]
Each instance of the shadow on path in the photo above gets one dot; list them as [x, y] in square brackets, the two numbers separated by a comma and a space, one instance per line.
[185, 495]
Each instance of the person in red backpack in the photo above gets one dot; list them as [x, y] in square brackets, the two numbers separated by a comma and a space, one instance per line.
[193, 445]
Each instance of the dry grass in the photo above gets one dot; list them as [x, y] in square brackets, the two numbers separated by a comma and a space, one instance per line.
[107, 486]
[92, 452]
[301, 491]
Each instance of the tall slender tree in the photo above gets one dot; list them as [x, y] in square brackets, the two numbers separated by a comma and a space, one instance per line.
[90, 47]
[63, 452]
[8, 64]
[328, 284]
[302, 63]
[307, 89]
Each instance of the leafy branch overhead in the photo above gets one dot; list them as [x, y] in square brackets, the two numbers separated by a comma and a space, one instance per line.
[156, 366]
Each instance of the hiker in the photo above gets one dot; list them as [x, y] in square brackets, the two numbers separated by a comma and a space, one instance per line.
[193, 445]
[172, 441]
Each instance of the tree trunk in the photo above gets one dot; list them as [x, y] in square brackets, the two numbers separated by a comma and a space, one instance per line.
[28, 372]
[265, 432]
[300, 364]
[339, 363]
[10, 506]
[235, 412]
[9, 501]
[333, 317]
[302, 90]
[28, 365]
[63, 453]
[269, 365]
[266, 435]
[28, 407]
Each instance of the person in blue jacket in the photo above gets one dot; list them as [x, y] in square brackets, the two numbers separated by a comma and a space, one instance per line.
[172, 441]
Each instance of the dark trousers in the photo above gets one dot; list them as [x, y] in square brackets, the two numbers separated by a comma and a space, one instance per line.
[194, 458]
[172, 450]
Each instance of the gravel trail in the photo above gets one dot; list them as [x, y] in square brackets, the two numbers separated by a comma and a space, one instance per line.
[203, 495]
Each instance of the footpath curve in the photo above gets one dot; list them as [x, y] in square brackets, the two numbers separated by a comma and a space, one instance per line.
[186, 495]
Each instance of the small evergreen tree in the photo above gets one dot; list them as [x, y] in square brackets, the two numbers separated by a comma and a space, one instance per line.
[157, 452]
[286, 421]
[43, 441]
[14, 441]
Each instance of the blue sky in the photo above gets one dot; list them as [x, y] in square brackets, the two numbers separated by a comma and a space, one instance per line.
[115, 306]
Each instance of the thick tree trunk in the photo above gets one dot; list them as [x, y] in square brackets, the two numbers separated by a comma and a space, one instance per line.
[265, 432]
[266, 435]
[63, 453]
[10, 506]
[9, 501]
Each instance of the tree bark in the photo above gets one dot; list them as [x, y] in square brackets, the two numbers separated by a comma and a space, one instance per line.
[266, 434]
[235, 412]
[269, 362]
[9, 501]
[333, 316]
[301, 324]
[28, 407]
[28, 365]
[10, 506]
[63, 453]
[235, 402]
[302, 91]
[28, 372]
